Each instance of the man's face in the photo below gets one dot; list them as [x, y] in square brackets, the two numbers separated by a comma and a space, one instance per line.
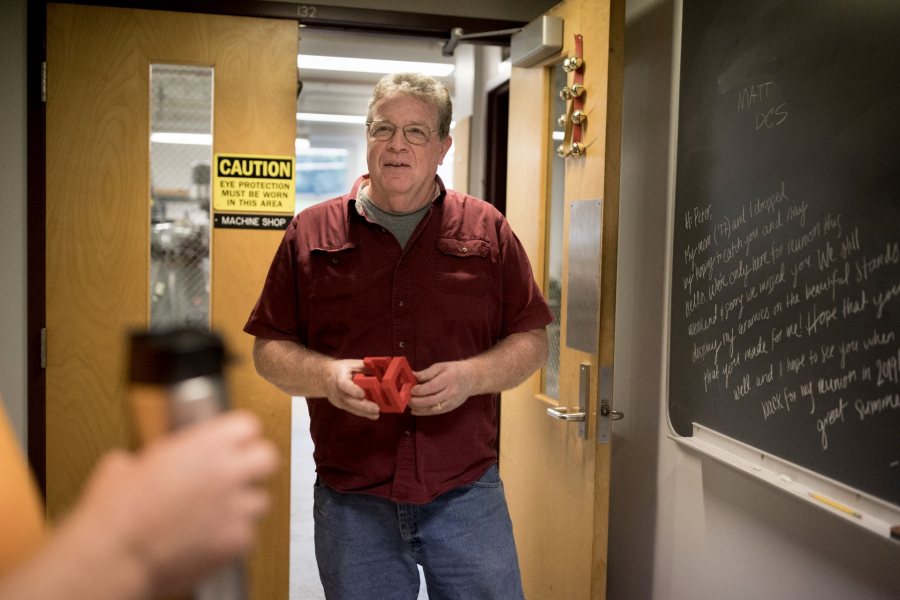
[401, 171]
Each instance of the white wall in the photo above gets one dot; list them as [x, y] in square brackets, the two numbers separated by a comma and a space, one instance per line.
[681, 526]
[12, 213]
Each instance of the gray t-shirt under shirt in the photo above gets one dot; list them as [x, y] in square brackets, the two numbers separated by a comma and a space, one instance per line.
[401, 225]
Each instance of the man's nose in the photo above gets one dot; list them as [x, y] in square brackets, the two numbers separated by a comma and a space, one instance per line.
[398, 139]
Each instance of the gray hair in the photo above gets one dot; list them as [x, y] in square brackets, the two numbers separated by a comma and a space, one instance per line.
[419, 86]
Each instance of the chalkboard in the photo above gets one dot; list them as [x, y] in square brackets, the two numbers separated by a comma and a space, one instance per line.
[785, 302]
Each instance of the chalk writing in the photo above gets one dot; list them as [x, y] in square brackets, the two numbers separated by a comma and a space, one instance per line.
[784, 318]
[744, 298]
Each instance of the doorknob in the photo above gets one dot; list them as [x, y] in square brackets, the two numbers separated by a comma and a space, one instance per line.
[614, 415]
[607, 414]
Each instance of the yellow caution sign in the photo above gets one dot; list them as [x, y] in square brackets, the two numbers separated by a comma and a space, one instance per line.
[253, 183]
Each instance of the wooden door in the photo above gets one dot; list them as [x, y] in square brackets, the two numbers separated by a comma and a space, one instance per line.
[557, 480]
[98, 223]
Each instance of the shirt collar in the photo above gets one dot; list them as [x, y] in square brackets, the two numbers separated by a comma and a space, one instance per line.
[440, 191]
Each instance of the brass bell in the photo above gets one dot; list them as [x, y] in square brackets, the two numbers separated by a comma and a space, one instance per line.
[572, 63]
[578, 117]
[578, 149]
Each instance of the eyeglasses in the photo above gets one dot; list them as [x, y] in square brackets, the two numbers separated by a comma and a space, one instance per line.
[414, 134]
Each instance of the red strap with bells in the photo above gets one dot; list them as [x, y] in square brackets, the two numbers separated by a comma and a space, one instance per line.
[578, 79]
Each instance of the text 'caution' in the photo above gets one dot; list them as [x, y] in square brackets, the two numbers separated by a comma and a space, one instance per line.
[253, 183]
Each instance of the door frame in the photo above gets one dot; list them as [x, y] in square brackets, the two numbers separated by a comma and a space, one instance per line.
[497, 134]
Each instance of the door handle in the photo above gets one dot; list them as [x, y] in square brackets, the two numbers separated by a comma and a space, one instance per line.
[580, 416]
[562, 413]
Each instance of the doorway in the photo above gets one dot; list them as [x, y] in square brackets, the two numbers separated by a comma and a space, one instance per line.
[331, 154]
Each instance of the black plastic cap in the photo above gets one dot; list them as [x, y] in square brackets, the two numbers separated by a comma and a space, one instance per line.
[173, 355]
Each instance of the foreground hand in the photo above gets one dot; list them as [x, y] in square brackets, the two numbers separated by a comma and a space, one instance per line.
[345, 394]
[442, 387]
[183, 507]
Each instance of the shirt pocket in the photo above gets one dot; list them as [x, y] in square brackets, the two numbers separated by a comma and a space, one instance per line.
[335, 274]
[346, 302]
[464, 266]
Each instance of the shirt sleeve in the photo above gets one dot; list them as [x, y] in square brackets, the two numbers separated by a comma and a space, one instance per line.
[276, 314]
[524, 306]
[21, 511]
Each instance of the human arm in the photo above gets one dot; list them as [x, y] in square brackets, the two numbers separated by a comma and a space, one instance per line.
[445, 386]
[157, 522]
[300, 371]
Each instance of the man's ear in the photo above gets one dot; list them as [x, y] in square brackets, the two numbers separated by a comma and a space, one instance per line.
[445, 147]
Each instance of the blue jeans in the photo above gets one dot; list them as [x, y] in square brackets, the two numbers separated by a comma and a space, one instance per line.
[367, 547]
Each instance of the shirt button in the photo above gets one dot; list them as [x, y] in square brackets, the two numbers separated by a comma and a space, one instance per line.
[402, 344]
[407, 433]
[400, 303]
[334, 260]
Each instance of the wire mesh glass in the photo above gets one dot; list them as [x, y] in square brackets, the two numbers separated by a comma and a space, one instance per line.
[180, 157]
[555, 216]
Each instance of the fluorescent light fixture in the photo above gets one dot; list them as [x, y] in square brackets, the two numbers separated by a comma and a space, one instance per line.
[327, 118]
[371, 65]
[193, 139]
[330, 152]
[322, 166]
[345, 119]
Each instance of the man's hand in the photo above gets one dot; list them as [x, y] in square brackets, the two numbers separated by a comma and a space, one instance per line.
[299, 371]
[346, 395]
[442, 387]
[445, 386]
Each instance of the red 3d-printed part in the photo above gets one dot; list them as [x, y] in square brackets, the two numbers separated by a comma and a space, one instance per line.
[397, 383]
[372, 386]
[388, 382]
[377, 365]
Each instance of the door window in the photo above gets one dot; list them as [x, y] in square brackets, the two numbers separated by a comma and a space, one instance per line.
[556, 191]
[180, 157]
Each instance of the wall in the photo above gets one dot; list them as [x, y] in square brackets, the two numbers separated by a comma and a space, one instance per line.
[681, 526]
[12, 213]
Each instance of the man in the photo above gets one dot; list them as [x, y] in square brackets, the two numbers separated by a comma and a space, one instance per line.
[401, 266]
[148, 525]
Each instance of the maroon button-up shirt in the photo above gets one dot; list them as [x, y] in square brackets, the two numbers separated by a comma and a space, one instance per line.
[341, 285]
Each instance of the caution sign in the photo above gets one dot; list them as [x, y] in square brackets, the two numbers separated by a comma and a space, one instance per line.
[259, 184]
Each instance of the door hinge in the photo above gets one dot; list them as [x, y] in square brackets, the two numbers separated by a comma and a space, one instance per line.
[44, 81]
[43, 347]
